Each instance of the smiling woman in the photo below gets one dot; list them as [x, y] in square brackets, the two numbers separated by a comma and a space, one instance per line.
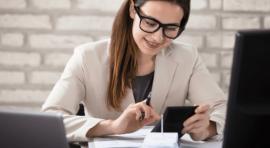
[141, 60]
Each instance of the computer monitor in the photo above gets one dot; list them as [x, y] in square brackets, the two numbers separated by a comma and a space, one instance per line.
[248, 112]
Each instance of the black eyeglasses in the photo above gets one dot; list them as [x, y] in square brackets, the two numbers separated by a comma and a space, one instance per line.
[151, 25]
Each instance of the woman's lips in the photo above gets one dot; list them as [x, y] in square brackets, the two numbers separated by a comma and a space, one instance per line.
[151, 45]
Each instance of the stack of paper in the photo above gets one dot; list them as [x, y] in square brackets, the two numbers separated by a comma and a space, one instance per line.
[130, 140]
[161, 140]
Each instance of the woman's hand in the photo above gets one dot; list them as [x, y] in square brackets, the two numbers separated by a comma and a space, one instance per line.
[199, 125]
[130, 121]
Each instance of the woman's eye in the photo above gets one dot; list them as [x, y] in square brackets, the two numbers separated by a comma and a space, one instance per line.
[172, 28]
[151, 23]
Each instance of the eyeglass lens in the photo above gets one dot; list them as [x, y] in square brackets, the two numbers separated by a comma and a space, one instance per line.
[151, 25]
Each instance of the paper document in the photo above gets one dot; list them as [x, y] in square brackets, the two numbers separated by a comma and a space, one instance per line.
[161, 140]
[134, 139]
[187, 142]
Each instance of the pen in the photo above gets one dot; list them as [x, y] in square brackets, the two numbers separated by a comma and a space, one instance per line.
[161, 124]
[148, 98]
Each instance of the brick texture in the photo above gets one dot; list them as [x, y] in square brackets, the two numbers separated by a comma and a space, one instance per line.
[247, 5]
[12, 39]
[51, 4]
[25, 21]
[37, 37]
[12, 4]
[105, 5]
[44, 77]
[9, 77]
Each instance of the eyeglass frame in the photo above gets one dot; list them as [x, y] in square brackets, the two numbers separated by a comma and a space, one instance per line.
[160, 25]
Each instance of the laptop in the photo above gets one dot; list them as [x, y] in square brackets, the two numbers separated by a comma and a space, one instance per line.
[26, 130]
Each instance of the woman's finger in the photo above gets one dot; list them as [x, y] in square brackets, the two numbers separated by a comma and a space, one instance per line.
[145, 109]
[137, 112]
[202, 108]
[198, 124]
[194, 119]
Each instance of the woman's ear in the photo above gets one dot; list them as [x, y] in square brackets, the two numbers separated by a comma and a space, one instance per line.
[132, 10]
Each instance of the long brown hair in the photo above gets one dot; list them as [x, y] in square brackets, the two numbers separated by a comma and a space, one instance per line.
[124, 51]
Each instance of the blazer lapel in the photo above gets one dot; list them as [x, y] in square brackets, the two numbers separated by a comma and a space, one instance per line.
[164, 74]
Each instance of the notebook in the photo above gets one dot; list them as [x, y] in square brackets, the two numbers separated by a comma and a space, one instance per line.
[25, 130]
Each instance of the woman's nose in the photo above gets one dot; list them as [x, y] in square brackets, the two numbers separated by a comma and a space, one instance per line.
[158, 35]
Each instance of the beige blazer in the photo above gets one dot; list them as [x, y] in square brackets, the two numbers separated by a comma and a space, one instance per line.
[180, 75]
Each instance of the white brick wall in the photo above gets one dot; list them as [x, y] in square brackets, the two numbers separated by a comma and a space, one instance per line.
[198, 4]
[97, 5]
[85, 23]
[241, 22]
[24, 97]
[247, 5]
[25, 21]
[267, 22]
[37, 37]
[202, 22]
[11, 77]
[57, 41]
[51, 4]
[12, 39]
[12, 4]
[56, 59]
[19, 59]
[44, 77]
[215, 4]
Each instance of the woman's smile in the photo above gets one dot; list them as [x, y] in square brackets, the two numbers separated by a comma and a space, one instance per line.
[151, 45]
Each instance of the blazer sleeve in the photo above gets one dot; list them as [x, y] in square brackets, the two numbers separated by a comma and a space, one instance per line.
[203, 89]
[65, 97]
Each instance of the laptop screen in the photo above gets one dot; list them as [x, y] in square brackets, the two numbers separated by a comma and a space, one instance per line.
[37, 130]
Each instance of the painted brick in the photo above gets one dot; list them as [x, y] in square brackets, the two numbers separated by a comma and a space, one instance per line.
[220, 40]
[202, 22]
[215, 4]
[105, 5]
[12, 39]
[241, 22]
[226, 60]
[19, 59]
[23, 96]
[267, 22]
[195, 40]
[246, 5]
[8, 77]
[214, 40]
[228, 40]
[198, 4]
[57, 41]
[56, 59]
[12, 4]
[26, 21]
[227, 78]
[97, 23]
[44, 77]
[21, 107]
[210, 59]
[51, 4]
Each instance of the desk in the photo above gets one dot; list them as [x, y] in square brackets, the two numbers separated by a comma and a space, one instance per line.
[136, 139]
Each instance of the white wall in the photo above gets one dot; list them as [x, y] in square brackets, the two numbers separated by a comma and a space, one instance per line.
[38, 36]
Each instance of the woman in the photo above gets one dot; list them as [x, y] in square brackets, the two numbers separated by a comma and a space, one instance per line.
[113, 77]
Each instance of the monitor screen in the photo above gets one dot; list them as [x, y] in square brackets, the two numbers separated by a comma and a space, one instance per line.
[248, 112]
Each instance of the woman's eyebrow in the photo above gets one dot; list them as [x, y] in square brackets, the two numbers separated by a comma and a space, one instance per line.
[148, 16]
